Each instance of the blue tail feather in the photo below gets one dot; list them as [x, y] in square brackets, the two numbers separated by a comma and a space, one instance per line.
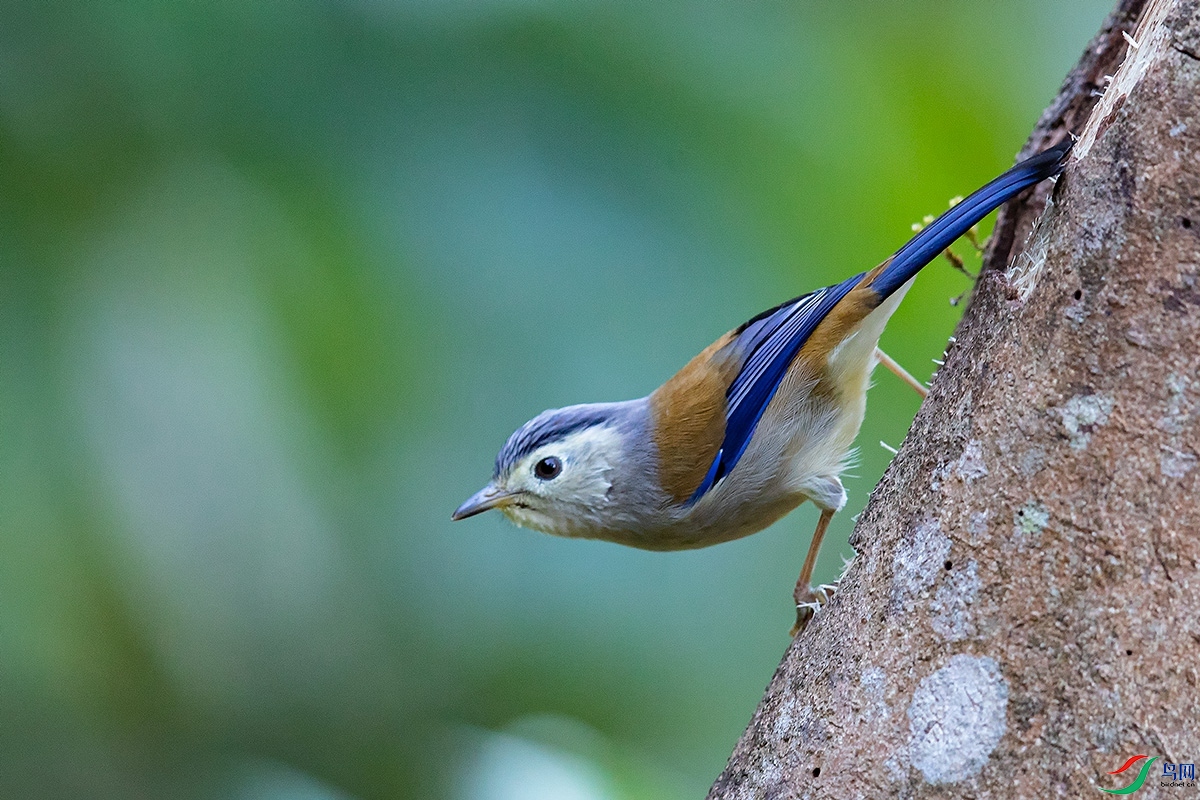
[772, 339]
[941, 233]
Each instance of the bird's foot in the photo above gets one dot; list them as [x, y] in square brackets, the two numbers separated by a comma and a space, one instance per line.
[809, 602]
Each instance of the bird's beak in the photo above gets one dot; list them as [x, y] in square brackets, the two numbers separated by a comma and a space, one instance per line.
[485, 499]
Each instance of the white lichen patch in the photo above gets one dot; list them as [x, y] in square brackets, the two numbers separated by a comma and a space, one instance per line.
[951, 606]
[792, 717]
[1175, 463]
[1082, 415]
[1138, 337]
[1031, 519]
[1032, 461]
[1180, 407]
[873, 685]
[917, 562]
[956, 718]
[896, 768]
[970, 465]
[1182, 410]
[1076, 312]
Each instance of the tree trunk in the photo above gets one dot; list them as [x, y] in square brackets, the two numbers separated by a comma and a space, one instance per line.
[1023, 615]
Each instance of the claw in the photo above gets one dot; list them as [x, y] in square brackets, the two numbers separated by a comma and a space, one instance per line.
[821, 594]
[804, 614]
[807, 610]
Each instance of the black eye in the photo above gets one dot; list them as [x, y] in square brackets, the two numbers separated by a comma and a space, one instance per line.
[548, 468]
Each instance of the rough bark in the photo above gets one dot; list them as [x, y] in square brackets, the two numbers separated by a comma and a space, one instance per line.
[1023, 614]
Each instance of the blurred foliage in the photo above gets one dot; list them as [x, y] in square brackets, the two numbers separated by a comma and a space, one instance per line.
[277, 280]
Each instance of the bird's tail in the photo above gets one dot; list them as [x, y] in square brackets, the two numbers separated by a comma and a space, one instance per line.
[941, 233]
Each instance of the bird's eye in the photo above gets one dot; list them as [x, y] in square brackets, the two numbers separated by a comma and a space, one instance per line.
[548, 468]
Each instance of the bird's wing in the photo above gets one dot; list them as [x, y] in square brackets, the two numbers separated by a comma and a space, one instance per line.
[769, 343]
[771, 340]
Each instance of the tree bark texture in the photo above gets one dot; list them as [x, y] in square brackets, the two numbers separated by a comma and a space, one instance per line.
[1023, 614]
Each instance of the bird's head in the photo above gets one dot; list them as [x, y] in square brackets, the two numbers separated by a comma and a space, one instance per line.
[562, 472]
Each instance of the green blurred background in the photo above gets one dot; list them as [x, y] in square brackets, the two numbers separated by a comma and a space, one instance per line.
[278, 279]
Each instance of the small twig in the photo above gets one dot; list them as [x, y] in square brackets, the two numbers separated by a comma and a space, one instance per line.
[972, 235]
[957, 262]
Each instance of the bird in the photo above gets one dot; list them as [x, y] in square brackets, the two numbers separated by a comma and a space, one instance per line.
[762, 420]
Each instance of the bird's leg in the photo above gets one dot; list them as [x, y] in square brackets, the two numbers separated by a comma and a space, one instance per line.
[900, 372]
[807, 601]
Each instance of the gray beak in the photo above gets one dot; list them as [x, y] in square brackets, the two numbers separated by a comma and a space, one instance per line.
[485, 499]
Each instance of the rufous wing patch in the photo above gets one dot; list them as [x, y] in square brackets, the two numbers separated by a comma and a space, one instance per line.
[689, 419]
[841, 321]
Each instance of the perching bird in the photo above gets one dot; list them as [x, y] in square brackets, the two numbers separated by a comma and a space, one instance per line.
[760, 421]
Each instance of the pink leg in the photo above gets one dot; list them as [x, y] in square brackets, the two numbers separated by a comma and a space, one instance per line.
[900, 372]
[804, 595]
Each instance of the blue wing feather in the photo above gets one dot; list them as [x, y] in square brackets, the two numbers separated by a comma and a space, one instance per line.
[771, 340]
